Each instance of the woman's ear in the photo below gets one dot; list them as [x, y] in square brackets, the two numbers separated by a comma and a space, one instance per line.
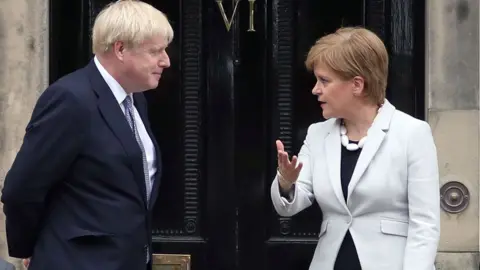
[358, 85]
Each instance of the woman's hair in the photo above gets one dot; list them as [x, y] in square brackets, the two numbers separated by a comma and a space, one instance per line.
[350, 52]
[129, 21]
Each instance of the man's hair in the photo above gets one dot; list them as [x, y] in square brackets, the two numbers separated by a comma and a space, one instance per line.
[129, 21]
[350, 52]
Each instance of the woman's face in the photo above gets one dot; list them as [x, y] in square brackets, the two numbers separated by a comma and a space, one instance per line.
[336, 96]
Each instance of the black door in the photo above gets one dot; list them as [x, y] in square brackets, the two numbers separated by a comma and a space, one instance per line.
[228, 95]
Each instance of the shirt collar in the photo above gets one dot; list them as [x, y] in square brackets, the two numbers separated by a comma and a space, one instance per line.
[114, 86]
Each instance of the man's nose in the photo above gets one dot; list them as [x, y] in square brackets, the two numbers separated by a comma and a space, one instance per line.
[165, 62]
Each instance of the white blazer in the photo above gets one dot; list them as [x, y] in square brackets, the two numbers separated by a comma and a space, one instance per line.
[393, 205]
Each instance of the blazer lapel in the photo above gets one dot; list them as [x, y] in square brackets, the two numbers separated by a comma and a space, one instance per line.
[376, 134]
[115, 119]
[333, 157]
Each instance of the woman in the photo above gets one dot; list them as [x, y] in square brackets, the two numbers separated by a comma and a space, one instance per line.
[371, 168]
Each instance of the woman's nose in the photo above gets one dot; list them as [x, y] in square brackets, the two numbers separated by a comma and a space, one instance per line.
[316, 90]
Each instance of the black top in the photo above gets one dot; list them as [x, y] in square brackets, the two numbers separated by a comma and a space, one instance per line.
[347, 258]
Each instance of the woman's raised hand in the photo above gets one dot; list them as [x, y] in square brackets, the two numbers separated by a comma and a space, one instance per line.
[288, 170]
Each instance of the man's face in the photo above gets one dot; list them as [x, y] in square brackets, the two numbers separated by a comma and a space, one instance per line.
[144, 64]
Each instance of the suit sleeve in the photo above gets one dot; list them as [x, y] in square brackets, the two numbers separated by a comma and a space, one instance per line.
[52, 141]
[302, 194]
[423, 200]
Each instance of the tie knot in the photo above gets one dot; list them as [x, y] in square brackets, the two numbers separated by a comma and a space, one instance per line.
[128, 101]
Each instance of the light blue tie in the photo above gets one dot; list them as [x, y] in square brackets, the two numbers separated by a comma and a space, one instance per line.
[128, 104]
[131, 121]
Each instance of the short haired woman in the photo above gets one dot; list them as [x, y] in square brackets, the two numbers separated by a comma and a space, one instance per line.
[372, 168]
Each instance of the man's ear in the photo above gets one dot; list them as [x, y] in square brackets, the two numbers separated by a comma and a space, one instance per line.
[119, 49]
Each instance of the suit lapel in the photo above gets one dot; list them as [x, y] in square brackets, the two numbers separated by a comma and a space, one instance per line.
[140, 104]
[376, 135]
[333, 158]
[115, 119]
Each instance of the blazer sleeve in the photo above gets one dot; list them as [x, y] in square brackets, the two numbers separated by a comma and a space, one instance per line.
[423, 200]
[50, 145]
[303, 191]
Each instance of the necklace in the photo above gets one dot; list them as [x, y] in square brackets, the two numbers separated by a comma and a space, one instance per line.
[344, 138]
[346, 142]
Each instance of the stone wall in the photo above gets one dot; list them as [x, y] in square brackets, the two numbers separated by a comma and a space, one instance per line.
[452, 88]
[23, 76]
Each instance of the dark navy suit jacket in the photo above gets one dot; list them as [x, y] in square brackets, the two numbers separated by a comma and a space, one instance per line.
[74, 197]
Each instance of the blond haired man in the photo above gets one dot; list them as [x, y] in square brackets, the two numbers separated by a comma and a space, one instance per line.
[80, 191]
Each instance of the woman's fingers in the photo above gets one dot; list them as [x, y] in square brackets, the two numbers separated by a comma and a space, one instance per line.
[293, 164]
[280, 147]
[283, 159]
[280, 158]
[298, 168]
[289, 169]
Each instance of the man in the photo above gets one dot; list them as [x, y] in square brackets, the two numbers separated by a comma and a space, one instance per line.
[80, 191]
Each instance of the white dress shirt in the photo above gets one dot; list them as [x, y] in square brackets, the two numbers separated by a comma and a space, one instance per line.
[120, 96]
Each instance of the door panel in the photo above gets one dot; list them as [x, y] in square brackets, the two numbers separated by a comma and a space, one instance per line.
[177, 117]
[225, 100]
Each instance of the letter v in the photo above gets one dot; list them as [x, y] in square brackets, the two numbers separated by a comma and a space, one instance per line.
[228, 23]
